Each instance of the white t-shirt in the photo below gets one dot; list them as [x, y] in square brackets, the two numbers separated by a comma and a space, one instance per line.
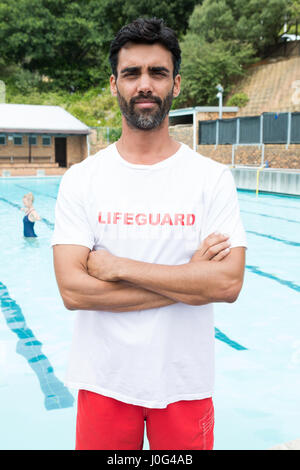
[159, 214]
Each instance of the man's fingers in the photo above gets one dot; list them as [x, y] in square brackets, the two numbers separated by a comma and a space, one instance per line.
[210, 246]
[221, 255]
[213, 250]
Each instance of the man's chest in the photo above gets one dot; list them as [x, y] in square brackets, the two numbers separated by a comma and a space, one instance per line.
[145, 210]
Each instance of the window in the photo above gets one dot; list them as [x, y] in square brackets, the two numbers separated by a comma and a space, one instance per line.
[18, 140]
[2, 139]
[32, 140]
[46, 140]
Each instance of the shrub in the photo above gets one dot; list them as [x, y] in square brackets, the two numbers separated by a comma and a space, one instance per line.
[238, 99]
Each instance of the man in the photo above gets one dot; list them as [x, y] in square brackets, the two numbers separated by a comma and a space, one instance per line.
[140, 252]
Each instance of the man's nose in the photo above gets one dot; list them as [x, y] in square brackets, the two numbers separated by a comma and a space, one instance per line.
[144, 84]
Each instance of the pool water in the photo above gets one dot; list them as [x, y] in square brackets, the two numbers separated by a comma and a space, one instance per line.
[257, 400]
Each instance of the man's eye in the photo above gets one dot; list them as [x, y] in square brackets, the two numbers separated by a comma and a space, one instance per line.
[159, 73]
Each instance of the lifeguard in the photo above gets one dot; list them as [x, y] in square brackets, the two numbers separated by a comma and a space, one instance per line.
[130, 218]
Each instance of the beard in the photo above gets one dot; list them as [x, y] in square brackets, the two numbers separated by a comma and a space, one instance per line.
[145, 119]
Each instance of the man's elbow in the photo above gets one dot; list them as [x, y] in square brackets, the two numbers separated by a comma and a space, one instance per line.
[232, 291]
[69, 300]
[69, 304]
[226, 291]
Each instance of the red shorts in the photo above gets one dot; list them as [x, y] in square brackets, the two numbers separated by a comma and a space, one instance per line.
[104, 423]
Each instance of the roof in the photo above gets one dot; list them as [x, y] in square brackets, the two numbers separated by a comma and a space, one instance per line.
[202, 109]
[28, 118]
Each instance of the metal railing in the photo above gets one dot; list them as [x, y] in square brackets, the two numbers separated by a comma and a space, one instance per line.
[106, 135]
[268, 128]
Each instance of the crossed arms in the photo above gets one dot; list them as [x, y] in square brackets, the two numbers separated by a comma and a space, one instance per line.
[98, 280]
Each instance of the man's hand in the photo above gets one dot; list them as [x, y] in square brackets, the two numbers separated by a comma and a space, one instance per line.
[102, 265]
[215, 247]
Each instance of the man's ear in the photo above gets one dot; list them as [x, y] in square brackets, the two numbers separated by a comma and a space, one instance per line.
[176, 88]
[113, 85]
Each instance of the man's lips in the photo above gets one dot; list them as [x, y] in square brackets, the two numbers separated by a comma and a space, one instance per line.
[145, 104]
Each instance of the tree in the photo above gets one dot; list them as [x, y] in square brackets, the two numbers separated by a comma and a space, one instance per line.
[206, 64]
[213, 20]
[223, 37]
[175, 13]
[293, 17]
[260, 22]
[68, 41]
[256, 22]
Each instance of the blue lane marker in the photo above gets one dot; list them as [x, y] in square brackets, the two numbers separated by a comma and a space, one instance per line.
[56, 394]
[261, 203]
[48, 223]
[13, 204]
[281, 240]
[36, 191]
[272, 216]
[290, 284]
[233, 344]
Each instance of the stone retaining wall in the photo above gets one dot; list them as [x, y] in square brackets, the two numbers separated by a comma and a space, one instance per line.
[278, 156]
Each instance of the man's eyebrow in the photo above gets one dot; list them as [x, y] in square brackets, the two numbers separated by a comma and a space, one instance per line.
[159, 69]
[130, 69]
[151, 69]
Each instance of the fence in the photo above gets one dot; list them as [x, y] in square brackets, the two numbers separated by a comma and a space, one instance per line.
[268, 128]
[105, 135]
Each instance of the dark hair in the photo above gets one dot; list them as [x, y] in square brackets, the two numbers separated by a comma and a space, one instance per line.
[146, 31]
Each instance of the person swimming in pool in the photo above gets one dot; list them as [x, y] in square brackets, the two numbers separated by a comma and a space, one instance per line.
[31, 215]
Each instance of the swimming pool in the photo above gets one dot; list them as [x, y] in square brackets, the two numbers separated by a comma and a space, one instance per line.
[257, 400]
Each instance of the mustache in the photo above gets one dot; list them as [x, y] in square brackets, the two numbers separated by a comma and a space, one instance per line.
[148, 97]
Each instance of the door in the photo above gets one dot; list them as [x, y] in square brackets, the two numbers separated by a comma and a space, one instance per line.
[61, 151]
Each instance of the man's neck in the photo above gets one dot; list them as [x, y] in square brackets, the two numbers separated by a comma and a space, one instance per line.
[146, 147]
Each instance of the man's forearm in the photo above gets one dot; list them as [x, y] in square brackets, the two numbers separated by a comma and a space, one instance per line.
[88, 293]
[193, 283]
[81, 291]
